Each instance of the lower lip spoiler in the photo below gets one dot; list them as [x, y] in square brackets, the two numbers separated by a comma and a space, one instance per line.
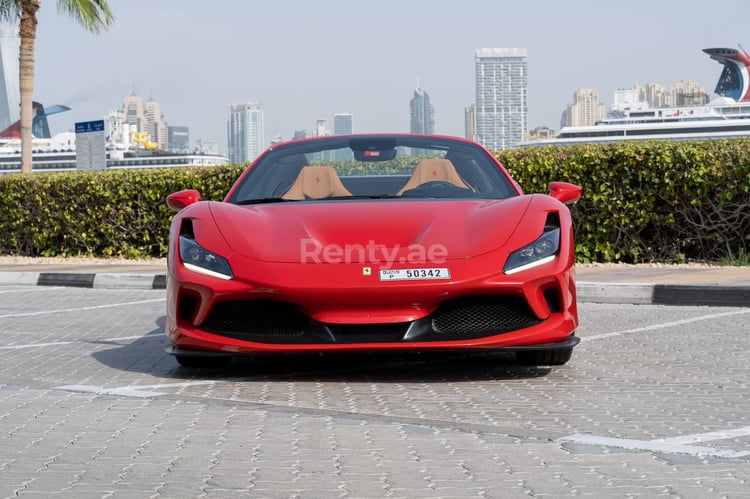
[567, 343]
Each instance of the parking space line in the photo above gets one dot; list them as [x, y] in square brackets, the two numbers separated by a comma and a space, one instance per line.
[659, 445]
[33, 345]
[708, 437]
[140, 391]
[665, 325]
[81, 309]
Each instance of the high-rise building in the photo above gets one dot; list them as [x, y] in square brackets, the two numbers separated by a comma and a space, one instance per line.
[156, 125]
[585, 109]
[245, 132]
[501, 102]
[179, 139]
[10, 92]
[321, 130]
[147, 117]
[470, 122]
[422, 112]
[343, 124]
[657, 96]
[688, 93]
[134, 113]
[208, 146]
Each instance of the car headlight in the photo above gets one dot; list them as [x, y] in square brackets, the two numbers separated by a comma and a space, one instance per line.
[199, 259]
[539, 252]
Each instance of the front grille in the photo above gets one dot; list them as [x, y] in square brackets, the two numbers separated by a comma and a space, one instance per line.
[273, 322]
[482, 315]
[256, 319]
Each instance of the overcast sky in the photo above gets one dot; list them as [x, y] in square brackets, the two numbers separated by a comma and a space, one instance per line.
[306, 60]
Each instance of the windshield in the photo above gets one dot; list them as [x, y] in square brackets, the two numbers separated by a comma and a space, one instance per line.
[373, 167]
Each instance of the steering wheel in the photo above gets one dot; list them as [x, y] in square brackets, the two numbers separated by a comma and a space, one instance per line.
[438, 189]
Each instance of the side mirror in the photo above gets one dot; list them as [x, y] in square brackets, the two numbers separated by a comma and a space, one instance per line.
[179, 200]
[564, 192]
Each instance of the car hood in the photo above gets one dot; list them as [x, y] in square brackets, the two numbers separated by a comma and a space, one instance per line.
[368, 231]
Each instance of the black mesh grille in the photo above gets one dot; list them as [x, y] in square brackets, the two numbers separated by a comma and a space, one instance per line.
[483, 315]
[254, 319]
[268, 321]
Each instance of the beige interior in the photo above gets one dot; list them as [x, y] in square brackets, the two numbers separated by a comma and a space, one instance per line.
[316, 182]
[433, 170]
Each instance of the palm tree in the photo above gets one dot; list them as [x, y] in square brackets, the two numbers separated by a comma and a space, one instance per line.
[93, 15]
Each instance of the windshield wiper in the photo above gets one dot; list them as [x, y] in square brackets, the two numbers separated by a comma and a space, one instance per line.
[264, 200]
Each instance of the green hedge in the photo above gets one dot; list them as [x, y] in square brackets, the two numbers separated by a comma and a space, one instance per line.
[114, 213]
[647, 201]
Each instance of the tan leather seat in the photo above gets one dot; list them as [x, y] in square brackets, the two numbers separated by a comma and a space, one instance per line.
[316, 182]
[433, 170]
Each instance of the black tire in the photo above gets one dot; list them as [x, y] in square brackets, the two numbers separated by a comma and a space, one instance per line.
[553, 357]
[199, 361]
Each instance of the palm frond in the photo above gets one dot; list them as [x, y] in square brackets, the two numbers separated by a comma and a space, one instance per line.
[94, 15]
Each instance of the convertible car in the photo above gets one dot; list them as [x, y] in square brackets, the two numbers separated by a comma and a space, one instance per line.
[372, 243]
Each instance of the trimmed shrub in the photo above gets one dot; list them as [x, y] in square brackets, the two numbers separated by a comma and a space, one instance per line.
[649, 201]
[642, 201]
[113, 213]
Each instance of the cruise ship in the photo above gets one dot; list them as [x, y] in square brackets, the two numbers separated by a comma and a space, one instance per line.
[125, 148]
[727, 116]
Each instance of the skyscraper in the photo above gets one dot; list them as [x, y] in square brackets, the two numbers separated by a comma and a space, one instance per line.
[470, 122]
[147, 117]
[156, 124]
[501, 106]
[134, 114]
[10, 92]
[585, 109]
[245, 132]
[343, 124]
[422, 112]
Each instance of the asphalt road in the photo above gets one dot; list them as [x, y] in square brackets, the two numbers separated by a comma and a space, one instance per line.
[654, 403]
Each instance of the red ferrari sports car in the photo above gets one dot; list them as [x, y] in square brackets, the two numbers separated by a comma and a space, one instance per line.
[365, 243]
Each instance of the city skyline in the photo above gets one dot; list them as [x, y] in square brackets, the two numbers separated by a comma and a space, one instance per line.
[580, 44]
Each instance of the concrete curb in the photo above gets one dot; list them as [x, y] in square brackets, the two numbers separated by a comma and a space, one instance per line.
[663, 294]
[588, 292]
[96, 281]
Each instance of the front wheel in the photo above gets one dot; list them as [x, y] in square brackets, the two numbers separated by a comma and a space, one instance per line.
[552, 357]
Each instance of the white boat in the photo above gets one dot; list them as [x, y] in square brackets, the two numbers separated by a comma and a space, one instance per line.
[58, 153]
[727, 116]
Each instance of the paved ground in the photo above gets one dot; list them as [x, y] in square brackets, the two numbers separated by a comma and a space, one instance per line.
[654, 403]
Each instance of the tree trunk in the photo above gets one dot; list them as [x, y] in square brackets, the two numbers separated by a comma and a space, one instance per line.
[27, 34]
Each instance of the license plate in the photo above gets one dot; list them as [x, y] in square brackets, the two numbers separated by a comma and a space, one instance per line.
[414, 274]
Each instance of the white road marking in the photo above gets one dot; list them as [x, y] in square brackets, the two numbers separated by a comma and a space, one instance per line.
[81, 309]
[58, 343]
[668, 445]
[664, 325]
[35, 345]
[142, 391]
[707, 437]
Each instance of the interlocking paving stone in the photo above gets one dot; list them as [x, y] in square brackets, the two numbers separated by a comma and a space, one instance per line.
[443, 425]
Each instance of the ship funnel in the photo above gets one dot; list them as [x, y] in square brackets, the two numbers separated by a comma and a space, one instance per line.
[734, 81]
